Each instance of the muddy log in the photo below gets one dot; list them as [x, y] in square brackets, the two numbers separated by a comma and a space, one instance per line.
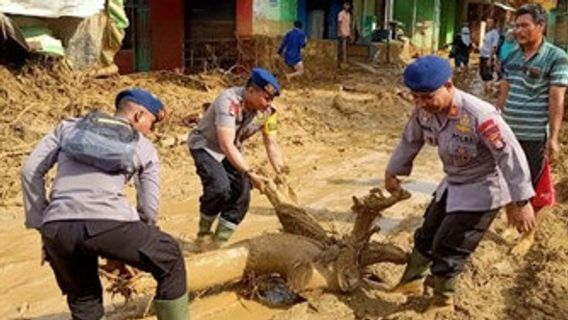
[304, 254]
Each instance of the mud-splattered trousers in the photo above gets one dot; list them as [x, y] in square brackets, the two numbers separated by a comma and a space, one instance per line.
[88, 215]
[72, 249]
[226, 191]
[448, 238]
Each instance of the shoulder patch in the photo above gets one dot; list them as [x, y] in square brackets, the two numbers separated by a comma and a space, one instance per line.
[490, 131]
[234, 108]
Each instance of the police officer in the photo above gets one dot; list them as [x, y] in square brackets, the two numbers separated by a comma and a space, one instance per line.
[235, 115]
[88, 215]
[485, 170]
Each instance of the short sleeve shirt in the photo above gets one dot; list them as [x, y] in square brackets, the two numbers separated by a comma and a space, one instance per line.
[490, 41]
[344, 20]
[526, 109]
[227, 112]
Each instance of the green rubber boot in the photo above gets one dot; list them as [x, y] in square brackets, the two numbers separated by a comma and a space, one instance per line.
[205, 224]
[172, 309]
[443, 299]
[412, 281]
[223, 232]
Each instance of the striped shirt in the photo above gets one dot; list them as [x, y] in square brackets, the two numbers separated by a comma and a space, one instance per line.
[526, 110]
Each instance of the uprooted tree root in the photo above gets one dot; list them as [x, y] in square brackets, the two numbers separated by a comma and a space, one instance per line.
[304, 254]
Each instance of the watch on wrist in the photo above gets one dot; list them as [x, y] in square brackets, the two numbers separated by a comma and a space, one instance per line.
[521, 203]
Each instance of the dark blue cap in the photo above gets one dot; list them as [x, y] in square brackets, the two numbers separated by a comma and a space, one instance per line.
[143, 98]
[427, 74]
[263, 79]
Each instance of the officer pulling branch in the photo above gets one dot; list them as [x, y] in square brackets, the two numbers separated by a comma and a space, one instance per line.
[88, 216]
[215, 145]
[485, 170]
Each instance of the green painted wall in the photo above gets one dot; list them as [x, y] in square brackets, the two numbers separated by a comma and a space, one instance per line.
[288, 10]
[418, 18]
[448, 25]
[273, 17]
[428, 23]
[403, 11]
[365, 14]
[369, 18]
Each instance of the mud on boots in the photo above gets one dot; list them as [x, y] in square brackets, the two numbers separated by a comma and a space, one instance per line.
[443, 299]
[176, 309]
[412, 280]
[204, 241]
[223, 232]
[207, 241]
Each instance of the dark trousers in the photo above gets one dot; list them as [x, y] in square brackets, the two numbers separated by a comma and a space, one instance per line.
[72, 249]
[535, 153]
[343, 42]
[448, 238]
[485, 69]
[462, 58]
[226, 191]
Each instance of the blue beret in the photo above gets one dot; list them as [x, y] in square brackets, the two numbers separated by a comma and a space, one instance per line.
[263, 79]
[427, 74]
[143, 98]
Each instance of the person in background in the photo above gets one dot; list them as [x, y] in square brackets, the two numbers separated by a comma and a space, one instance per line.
[291, 49]
[461, 48]
[344, 28]
[487, 55]
[533, 92]
[504, 50]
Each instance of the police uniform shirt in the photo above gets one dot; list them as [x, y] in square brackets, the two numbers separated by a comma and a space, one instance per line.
[83, 192]
[227, 111]
[484, 164]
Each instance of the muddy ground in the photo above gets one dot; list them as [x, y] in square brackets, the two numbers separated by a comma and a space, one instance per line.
[336, 136]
